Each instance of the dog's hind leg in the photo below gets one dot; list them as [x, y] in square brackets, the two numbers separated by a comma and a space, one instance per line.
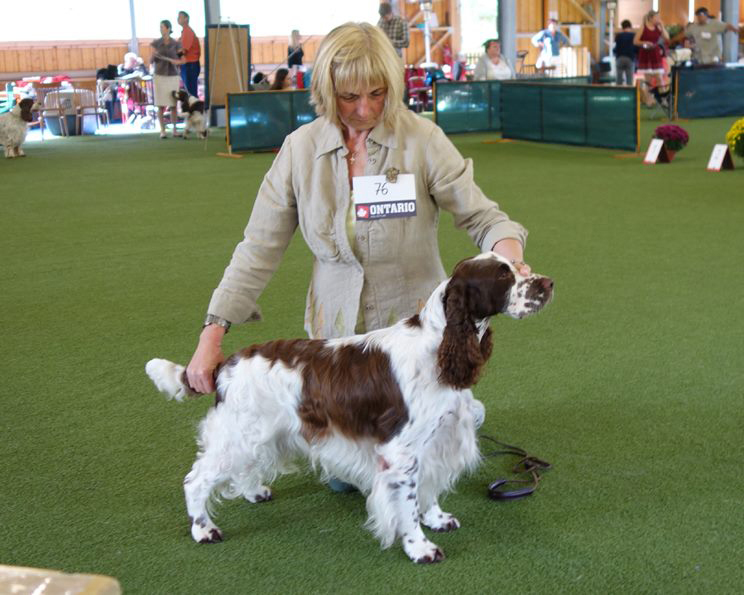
[204, 477]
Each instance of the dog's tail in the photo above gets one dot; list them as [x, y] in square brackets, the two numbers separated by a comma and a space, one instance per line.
[169, 379]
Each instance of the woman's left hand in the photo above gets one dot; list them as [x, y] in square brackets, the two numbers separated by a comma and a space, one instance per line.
[512, 250]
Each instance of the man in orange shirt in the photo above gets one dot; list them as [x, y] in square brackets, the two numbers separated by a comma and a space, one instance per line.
[191, 53]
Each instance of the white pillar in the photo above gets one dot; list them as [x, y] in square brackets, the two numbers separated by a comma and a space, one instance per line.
[730, 10]
[508, 29]
[212, 12]
[133, 44]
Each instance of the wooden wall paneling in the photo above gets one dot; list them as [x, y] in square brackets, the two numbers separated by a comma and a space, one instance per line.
[569, 13]
[675, 12]
[115, 55]
[63, 55]
[49, 59]
[529, 16]
[280, 51]
[25, 60]
[100, 58]
[257, 52]
[633, 10]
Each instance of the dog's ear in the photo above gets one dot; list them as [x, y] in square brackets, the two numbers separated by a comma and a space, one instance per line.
[26, 106]
[460, 355]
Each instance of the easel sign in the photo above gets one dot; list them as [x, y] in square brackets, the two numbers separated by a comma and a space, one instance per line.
[720, 158]
[656, 152]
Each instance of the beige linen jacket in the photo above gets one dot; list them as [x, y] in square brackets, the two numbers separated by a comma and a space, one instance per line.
[397, 262]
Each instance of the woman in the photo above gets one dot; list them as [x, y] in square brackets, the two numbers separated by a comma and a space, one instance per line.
[294, 50]
[650, 53]
[166, 78]
[366, 274]
[492, 65]
[281, 80]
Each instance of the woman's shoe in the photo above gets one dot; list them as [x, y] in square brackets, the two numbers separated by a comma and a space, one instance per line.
[340, 487]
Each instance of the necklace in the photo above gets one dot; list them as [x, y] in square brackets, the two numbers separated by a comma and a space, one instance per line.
[352, 159]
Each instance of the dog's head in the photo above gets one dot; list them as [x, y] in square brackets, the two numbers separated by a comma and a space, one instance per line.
[26, 106]
[479, 288]
[183, 97]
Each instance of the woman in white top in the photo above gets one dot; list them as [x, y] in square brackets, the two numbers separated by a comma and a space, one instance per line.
[492, 65]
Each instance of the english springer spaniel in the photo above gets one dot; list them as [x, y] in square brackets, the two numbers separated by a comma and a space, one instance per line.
[389, 411]
[193, 110]
[13, 127]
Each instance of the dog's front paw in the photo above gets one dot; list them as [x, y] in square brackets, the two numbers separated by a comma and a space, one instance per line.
[422, 551]
[205, 531]
[262, 494]
[440, 521]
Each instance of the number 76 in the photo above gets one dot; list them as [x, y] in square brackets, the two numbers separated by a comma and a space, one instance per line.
[381, 188]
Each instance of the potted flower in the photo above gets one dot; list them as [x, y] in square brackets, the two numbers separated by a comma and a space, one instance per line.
[675, 138]
[735, 138]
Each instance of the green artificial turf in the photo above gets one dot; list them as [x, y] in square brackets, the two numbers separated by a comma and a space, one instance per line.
[630, 383]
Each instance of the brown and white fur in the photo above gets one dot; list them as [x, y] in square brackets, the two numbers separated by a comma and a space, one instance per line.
[389, 411]
[193, 110]
[13, 127]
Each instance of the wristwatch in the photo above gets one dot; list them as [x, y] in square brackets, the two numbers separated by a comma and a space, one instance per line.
[212, 319]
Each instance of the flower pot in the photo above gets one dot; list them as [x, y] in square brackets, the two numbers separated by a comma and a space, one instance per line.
[670, 154]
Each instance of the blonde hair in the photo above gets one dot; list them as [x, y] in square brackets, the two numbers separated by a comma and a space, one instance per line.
[650, 15]
[356, 56]
[294, 38]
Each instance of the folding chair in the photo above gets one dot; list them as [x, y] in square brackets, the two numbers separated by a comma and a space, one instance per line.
[48, 97]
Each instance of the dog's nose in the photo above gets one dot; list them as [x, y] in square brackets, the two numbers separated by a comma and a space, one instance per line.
[547, 283]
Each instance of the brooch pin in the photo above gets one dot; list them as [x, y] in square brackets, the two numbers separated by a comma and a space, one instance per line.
[391, 175]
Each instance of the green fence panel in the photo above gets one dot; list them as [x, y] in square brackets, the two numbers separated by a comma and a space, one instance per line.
[304, 113]
[463, 107]
[562, 80]
[495, 88]
[705, 93]
[563, 118]
[521, 111]
[612, 117]
[578, 115]
[262, 119]
[475, 106]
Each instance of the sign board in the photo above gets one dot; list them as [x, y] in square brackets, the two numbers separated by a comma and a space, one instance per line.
[376, 197]
[656, 152]
[720, 158]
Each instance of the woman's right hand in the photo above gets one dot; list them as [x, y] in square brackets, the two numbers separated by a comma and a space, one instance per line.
[208, 355]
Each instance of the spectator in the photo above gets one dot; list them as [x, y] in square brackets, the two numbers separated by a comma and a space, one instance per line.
[294, 50]
[549, 41]
[132, 65]
[165, 58]
[650, 55]
[281, 80]
[191, 52]
[395, 27]
[260, 82]
[492, 65]
[625, 54]
[705, 34]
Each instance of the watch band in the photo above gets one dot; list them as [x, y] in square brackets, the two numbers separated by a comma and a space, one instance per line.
[212, 319]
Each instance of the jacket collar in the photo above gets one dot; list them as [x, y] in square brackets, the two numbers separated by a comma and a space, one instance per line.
[331, 139]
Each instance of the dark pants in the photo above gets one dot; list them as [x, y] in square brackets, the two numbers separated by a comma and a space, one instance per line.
[190, 76]
[624, 70]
